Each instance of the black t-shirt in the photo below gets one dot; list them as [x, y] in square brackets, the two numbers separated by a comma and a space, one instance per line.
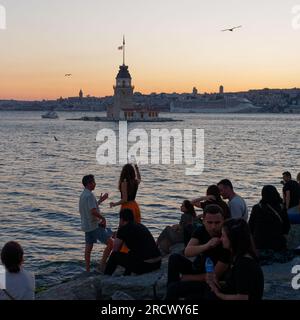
[294, 188]
[139, 241]
[245, 277]
[216, 254]
[132, 188]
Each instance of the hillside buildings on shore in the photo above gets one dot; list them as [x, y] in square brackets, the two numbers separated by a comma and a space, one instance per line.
[265, 100]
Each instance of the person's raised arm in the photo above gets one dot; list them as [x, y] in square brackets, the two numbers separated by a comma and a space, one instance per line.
[193, 248]
[197, 202]
[102, 198]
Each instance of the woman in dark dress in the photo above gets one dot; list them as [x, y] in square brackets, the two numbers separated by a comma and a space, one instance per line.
[245, 280]
[269, 223]
[129, 182]
[130, 179]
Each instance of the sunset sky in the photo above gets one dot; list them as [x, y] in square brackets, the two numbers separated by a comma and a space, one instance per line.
[171, 46]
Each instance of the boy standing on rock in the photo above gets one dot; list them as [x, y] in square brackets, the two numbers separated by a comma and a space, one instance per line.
[93, 223]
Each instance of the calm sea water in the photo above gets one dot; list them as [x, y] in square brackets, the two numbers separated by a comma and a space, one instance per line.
[40, 178]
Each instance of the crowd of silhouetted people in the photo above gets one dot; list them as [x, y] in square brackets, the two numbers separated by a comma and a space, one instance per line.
[224, 246]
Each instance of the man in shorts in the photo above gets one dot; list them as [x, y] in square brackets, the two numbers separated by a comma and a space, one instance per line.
[93, 223]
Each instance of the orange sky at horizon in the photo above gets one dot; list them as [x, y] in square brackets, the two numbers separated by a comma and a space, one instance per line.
[170, 47]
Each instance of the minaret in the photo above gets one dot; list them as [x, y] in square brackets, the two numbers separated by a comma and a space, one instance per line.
[123, 90]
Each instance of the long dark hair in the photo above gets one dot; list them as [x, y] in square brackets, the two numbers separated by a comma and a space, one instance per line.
[128, 174]
[190, 208]
[213, 190]
[239, 235]
[270, 195]
[12, 256]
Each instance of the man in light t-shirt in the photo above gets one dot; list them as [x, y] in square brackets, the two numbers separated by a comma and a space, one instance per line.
[237, 205]
[92, 222]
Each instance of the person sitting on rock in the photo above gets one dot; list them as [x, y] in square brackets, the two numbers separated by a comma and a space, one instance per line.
[269, 225]
[185, 276]
[213, 196]
[181, 232]
[245, 280]
[19, 283]
[237, 205]
[143, 255]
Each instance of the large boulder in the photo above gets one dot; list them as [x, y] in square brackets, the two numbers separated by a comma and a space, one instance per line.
[90, 286]
[141, 287]
[84, 287]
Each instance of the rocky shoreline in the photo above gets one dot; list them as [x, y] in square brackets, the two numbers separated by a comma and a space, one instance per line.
[152, 286]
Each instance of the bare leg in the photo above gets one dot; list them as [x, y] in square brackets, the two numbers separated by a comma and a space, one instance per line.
[87, 256]
[106, 253]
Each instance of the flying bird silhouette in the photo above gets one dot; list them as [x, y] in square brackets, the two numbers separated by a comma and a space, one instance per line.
[68, 74]
[231, 29]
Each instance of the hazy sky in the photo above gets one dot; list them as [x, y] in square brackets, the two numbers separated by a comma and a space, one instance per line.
[172, 45]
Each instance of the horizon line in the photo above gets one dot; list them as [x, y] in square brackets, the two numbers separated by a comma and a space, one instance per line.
[157, 93]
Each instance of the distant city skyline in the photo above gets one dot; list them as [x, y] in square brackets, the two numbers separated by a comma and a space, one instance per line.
[172, 46]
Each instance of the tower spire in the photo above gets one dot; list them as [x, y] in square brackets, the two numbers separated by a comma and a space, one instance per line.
[124, 50]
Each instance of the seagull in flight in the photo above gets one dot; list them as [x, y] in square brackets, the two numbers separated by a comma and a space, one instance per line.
[231, 29]
[68, 74]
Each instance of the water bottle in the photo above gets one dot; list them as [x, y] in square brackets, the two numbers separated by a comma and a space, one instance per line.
[209, 268]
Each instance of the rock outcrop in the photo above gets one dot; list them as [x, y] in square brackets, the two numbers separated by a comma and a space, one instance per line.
[92, 286]
[278, 282]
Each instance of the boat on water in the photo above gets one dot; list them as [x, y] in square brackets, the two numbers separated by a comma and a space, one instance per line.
[50, 115]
